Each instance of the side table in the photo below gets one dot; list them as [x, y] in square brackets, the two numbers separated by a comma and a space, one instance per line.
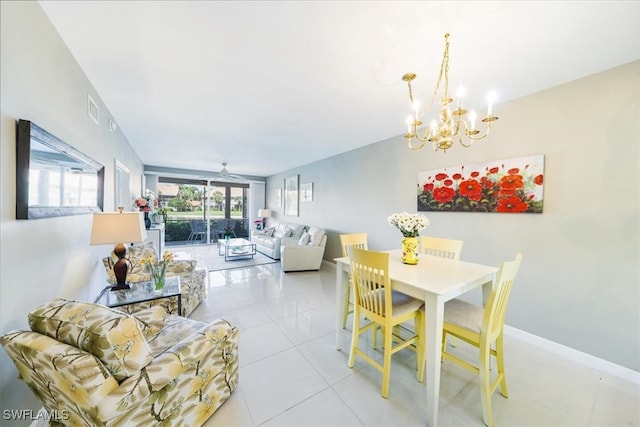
[143, 294]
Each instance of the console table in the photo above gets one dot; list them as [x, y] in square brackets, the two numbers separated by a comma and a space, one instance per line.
[155, 234]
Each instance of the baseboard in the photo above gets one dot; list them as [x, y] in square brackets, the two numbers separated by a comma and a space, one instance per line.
[575, 355]
[329, 264]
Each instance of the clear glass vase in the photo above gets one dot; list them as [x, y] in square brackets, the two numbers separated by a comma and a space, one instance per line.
[159, 282]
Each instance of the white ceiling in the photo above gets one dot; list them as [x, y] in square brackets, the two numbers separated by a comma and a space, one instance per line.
[269, 86]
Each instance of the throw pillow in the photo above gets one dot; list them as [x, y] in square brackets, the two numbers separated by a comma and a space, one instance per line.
[268, 231]
[304, 239]
[316, 235]
[137, 271]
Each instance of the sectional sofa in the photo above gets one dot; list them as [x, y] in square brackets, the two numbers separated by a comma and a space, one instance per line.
[297, 246]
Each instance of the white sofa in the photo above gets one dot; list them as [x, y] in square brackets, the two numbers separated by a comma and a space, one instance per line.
[297, 246]
[304, 254]
[269, 240]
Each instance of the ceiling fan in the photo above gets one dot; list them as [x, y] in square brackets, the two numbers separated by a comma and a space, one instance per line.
[225, 176]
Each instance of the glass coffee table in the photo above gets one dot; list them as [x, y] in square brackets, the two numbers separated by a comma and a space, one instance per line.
[236, 249]
[140, 293]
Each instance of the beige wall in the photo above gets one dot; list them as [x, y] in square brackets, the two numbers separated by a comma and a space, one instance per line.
[579, 283]
[46, 258]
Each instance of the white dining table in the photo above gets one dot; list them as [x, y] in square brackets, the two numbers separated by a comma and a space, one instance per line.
[434, 280]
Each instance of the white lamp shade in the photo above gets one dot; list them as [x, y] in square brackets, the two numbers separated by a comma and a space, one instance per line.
[114, 227]
[264, 213]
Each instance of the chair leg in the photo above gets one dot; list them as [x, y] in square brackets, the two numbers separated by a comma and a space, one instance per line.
[354, 339]
[485, 383]
[345, 313]
[386, 366]
[420, 347]
[444, 345]
[500, 360]
[374, 335]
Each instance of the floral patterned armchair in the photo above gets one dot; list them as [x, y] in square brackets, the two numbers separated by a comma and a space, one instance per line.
[96, 366]
[192, 278]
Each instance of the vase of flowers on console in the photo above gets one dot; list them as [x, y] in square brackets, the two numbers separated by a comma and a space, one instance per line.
[146, 204]
[158, 269]
[410, 226]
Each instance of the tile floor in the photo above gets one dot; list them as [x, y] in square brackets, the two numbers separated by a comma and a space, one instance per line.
[292, 375]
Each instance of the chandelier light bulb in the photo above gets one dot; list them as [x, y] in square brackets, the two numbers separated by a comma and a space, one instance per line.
[461, 94]
[416, 107]
[472, 118]
[491, 99]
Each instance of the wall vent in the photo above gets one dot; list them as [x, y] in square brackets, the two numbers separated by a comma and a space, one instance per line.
[93, 109]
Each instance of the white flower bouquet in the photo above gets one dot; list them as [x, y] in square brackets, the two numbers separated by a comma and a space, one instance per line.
[409, 225]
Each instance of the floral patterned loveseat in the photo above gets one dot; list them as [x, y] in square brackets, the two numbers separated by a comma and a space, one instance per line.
[96, 366]
[192, 278]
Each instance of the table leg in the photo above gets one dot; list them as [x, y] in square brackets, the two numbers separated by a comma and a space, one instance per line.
[486, 290]
[434, 308]
[341, 288]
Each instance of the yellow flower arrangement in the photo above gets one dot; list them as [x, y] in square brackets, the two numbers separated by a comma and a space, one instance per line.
[158, 268]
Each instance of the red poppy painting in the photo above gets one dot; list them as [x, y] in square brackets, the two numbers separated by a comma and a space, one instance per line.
[506, 186]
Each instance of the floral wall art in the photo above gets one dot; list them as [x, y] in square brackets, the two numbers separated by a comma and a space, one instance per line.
[514, 186]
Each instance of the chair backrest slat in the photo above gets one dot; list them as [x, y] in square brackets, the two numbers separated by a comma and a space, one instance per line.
[370, 271]
[495, 311]
[359, 240]
[445, 248]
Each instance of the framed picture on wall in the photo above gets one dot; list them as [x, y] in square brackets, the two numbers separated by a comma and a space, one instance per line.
[291, 195]
[122, 193]
[503, 186]
[306, 192]
[279, 197]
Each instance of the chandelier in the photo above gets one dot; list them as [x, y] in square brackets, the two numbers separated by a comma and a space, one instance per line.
[452, 124]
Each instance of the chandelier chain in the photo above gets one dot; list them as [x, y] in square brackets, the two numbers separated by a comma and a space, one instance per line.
[444, 66]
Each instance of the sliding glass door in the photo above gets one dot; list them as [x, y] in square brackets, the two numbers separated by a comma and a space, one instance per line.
[183, 204]
[201, 212]
[228, 210]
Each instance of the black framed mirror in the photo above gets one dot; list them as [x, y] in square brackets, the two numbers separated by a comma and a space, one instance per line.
[52, 177]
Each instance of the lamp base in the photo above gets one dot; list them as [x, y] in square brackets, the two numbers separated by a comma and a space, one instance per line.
[120, 268]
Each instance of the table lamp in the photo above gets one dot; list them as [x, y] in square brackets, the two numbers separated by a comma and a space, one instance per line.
[264, 213]
[118, 227]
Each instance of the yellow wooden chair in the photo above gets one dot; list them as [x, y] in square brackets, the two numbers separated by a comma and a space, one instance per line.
[446, 248]
[359, 240]
[375, 301]
[481, 328]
